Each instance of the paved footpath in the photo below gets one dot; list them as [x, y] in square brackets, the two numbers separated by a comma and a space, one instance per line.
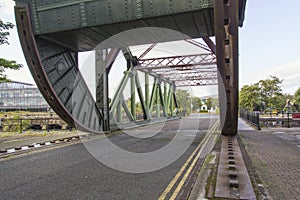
[275, 154]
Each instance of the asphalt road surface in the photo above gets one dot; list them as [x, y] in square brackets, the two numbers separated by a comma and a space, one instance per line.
[72, 172]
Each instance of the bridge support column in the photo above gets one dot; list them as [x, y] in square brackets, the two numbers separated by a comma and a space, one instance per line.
[226, 32]
[132, 99]
[147, 100]
[102, 101]
[157, 100]
[119, 112]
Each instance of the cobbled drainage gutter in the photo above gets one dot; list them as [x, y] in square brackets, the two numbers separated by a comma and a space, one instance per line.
[233, 181]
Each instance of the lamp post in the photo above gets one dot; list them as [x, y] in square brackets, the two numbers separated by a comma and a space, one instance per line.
[288, 107]
[288, 114]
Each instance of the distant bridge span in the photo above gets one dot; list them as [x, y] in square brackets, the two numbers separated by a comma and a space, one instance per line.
[53, 32]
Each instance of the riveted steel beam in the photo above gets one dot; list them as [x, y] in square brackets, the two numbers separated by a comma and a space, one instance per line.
[210, 44]
[152, 98]
[55, 71]
[132, 96]
[187, 70]
[119, 92]
[102, 87]
[200, 45]
[226, 31]
[177, 61]
[141, 97]
[147, 97]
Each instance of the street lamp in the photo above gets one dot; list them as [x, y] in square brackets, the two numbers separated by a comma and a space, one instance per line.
[288, 107]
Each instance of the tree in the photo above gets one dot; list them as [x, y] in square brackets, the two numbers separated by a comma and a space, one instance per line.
[297, 99]
[271, 92]
[197, 103]
[266, 95]
[183, 99]
[6, 64]
[249, 97]
[209, 103]
[297, 96]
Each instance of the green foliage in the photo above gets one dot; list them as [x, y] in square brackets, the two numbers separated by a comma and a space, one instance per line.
[271, 92]
[184, 99]
[6, 64]
[249, 97]
[4, 28]
[209, 103]
[197, 103]
[266, 95]
[297, 100]
[204, 111]
[297, 96]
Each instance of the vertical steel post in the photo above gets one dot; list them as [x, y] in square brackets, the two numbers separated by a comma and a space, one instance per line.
[226, 32]
[162, 101]
[132, 87]
[119, 112]
[157, 99]
[102, 88]
[141, 97]
[152, 99]
[169, 99]
[166, 95]
[147, 90]
[172, 100]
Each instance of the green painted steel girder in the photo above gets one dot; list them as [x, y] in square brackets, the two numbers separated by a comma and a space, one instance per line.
[81, 25]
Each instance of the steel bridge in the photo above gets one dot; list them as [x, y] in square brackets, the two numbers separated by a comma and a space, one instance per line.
[53, 32]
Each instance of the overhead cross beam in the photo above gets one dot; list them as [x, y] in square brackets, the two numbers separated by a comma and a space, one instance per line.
[177, 61]
[188, 70]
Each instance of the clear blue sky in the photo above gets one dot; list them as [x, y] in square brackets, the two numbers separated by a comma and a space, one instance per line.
[269, 43]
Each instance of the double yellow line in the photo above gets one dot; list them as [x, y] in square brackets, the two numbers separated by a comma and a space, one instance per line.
[199, 148]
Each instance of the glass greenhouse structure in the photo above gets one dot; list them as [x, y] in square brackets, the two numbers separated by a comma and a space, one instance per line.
[21, 96]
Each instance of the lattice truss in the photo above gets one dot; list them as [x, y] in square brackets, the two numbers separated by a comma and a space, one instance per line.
[188, 70]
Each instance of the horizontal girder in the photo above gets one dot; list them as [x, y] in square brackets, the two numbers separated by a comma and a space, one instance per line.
[189, 70]
[198, 82]
[82, 25]
[177, 61]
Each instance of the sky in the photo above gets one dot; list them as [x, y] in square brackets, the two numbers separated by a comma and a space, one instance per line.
[268, 43]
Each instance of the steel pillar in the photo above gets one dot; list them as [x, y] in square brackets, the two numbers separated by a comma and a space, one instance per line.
[147, 98]
[153, 95]
[102, 102]
[157, 100]
[119, 112]
[169, 100]
[226, 14]
[132, 99]
[141, 97]
[165, 94]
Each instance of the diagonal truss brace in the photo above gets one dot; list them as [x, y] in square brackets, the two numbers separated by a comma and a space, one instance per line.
[163, 99]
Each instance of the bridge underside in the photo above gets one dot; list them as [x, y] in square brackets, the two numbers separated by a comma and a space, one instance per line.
[53, 33]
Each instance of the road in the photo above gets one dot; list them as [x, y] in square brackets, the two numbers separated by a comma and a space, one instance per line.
[72, 172]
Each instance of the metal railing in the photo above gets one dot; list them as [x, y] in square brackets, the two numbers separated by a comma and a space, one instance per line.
[251, 117]
[19, 124]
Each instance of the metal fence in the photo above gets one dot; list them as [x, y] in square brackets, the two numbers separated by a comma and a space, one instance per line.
[251, 117]
[20, 124]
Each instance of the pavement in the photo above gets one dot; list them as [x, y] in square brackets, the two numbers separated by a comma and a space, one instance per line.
[275, 157]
